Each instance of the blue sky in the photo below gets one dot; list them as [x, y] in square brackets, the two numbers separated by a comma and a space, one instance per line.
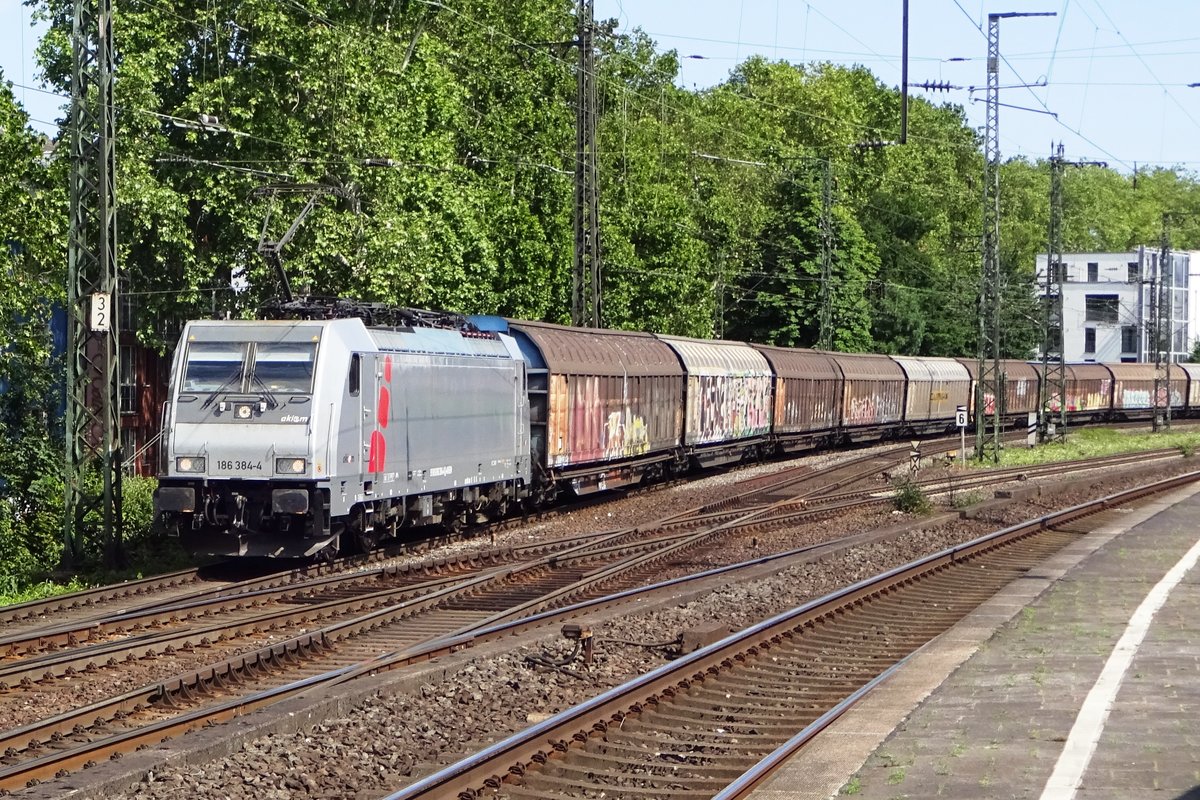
[1116, 71]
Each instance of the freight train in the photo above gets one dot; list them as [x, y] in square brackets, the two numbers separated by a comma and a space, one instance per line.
[300, 438]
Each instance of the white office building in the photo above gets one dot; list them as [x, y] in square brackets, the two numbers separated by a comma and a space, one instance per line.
[1107, 312]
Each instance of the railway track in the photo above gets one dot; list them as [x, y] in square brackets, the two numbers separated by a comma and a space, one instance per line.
[246, 603]
[458, 607]
[497, 597]
[697, 726]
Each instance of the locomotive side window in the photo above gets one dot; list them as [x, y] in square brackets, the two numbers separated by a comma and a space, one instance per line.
[355, 372]
[213, 367]
[285, 366]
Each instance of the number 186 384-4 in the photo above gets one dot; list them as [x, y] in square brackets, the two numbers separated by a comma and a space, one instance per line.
[237, 465]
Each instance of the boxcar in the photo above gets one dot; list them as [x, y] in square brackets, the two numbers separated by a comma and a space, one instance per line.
[1133, 388]
[936, 387]
[808, 391]
[1192, 396]
[728, 397]
[604, 405]
[1020, 388]
[873, 395]
[1089, 391]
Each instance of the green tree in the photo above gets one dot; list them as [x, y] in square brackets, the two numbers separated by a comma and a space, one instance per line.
[32, 284]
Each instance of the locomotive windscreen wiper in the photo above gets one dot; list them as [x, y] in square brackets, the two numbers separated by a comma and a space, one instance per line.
[224, 387]
[265, 394]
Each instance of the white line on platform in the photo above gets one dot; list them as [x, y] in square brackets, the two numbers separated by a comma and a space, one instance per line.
[1089, 725]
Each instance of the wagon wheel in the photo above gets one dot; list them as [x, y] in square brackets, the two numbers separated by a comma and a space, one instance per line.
[454, 520]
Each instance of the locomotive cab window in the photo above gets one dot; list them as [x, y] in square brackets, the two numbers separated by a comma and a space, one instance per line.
[213, 367]
[285, 366]
[355, 372]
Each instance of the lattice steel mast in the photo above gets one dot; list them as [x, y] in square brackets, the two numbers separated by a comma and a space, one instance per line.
[1162, 283]
[585, 277]
[93, 408]
[1052, 415]
[987, 417]
[1052, 418]
[825, 329]
[990, 386]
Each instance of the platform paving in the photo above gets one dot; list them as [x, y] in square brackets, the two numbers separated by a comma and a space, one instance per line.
[986, 710]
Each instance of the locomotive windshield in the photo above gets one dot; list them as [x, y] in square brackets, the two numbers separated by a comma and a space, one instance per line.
[285, 366]
[213, 366]
[274, 367]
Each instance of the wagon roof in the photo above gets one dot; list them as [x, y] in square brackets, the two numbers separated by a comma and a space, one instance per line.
[1142, 372]
[593, 351]
[1012, 368]
[796, 363]
[717, 357]
[867, 366]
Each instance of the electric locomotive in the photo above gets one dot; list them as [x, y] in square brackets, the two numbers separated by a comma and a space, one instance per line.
[293, 438]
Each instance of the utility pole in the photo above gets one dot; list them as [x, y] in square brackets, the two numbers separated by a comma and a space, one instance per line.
[991, 379]
[93, 408]
[825, 332]
[1052, 423]
[1161, 285]
[585, 278]
[904, 74]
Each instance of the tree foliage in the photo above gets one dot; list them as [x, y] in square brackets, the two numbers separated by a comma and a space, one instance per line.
[441, 137]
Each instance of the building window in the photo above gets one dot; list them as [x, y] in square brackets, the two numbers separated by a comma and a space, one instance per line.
[130, 396]
[1101, 307]
[1135, 274]
[1093, 271]
[1129, 339]
[1089, 340]
[128, 317]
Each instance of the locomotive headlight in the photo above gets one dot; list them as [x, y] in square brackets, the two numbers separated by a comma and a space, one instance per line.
[190, 464]
[244, 411]
[290, 466]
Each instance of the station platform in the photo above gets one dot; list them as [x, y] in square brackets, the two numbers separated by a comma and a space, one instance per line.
[1079, 680]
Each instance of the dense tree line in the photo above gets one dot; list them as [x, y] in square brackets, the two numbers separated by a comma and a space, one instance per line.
[445, 134]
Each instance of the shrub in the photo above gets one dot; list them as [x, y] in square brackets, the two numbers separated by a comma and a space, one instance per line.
[909, 498]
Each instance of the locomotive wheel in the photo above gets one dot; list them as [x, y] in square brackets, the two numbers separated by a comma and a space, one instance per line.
[366, 540]
[327, 553]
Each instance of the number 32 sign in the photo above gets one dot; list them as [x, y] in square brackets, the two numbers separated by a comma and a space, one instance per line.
[101, 311]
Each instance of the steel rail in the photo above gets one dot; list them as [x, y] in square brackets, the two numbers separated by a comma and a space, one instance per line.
[489, 768]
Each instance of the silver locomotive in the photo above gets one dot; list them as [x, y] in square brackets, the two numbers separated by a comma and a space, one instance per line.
[295, 438]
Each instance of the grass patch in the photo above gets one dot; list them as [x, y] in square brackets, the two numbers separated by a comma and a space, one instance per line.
[151, 556]
[11, 593]
[967, 499]
[853, 786]
[1092, 443]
